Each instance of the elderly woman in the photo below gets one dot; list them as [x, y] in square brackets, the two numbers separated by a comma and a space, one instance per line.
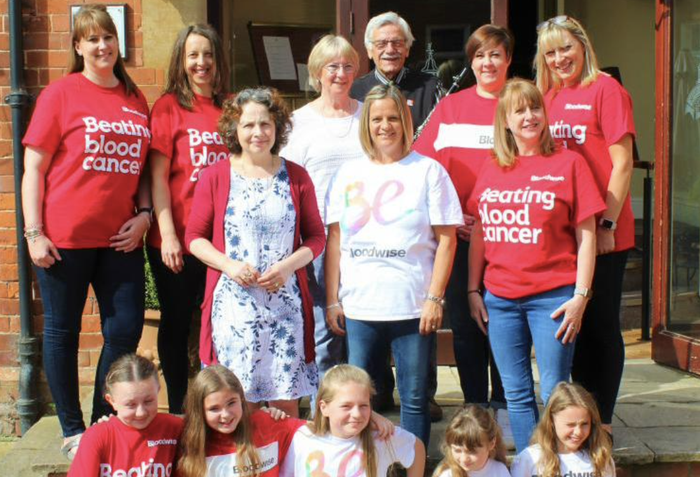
[533, 246]
[326, 135]
[602, 131]
[255, 223]
[85, 212]
[391, 238]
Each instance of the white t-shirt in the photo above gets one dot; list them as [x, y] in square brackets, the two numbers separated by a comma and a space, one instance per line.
[387, 245]
[571, 465]
[493, 468]
[320, 145]
[310, 454]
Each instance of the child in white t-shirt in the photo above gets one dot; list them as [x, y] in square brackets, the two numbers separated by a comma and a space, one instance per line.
[339, 442]
[569, 439]
[473, 446]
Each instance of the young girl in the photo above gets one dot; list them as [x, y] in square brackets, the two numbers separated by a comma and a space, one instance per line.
[569, 439]
[473, 446]
[339, 442]
[138, 441]
[223, 437]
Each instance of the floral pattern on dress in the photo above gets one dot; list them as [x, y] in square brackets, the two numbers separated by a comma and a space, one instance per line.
[257, 334]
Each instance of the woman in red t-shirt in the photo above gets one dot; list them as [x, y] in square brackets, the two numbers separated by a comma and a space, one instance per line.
[85, 211]
[533, 247]
[185, 141]
[591, 113]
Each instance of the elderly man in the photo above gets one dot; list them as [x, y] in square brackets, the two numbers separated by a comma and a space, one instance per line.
[388, 40]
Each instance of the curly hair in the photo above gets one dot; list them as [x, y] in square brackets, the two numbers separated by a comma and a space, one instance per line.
[233, 110]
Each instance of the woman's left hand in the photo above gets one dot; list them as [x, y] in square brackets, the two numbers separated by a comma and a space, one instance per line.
[130, 234]
[430, 317]
[573, 317]
[276, 414]
[383, 426]
[275, 277]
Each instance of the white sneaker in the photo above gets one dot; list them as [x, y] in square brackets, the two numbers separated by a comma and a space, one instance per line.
[504, 423]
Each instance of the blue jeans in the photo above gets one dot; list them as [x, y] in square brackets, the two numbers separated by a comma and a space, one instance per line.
[369, 343]
[118, 281]
[514, 326]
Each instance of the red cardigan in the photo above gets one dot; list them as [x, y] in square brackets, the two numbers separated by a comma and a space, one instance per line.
[207, 221]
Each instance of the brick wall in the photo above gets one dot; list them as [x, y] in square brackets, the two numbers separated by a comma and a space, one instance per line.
[46, 42]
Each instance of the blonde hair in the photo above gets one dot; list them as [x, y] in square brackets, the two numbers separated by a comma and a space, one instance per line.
[89, 19]
[130, 368]
[192, 462]
[388, 91]
[328, 48]
[336, 377]
[597, 445]
[471, 427]
[550, 34]
[516, 93]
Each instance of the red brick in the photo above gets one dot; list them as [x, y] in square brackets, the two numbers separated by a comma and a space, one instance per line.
[7, 184]
[91, 324]
[88, 341]
[94, 357]
[4, 77]
[151, 92]
[52, 6]
[31, 77]
[4, 324]
[7, 202]
[6, 115]
[56, 73]
[9, 306]
[8, 341]
[37, 307]
[36, 58]
[60, 23]
[9, 374]
[83, 358]
[4, 59]
[15, 324]
[5, 128]
[57, 59]
[37, 41]
[7, 166]
[13, 290]
[8, 358]
[5, 41]
[8, 255]
[35, 24]
[8, 272]
[135, 57]
[7, 218]
[142, 76]
[7, 237]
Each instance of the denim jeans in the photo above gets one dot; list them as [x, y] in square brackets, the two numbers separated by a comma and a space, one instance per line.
[369, 343]
[118, 281]
[471, 346]
[178, 295]
[514, 326]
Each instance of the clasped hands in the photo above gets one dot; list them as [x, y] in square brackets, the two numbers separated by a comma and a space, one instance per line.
[246, 275]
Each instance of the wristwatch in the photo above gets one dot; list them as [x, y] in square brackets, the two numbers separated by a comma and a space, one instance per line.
[148, 210]
[583, 291]
[607, 224]
[436, 299]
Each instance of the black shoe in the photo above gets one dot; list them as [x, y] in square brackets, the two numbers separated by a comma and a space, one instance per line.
[383, 403]
[435, 410]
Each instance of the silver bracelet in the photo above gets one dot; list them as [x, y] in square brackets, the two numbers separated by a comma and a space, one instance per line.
[334, 305]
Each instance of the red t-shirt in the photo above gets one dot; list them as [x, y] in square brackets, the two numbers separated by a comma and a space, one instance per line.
[191, 141]
[529, 215]
[460, 136]
[271, 438]
[588, 120]
[98, 139]
[113, 449]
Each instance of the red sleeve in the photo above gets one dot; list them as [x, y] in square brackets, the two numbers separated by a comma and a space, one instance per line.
[586, 193]
[87, 459]
[615, 112]
[313, 233]
[46, 126]
[201, 221]
[426, 141]
[161, 126]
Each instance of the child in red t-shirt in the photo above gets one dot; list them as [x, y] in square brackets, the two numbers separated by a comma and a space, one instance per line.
[138, 441]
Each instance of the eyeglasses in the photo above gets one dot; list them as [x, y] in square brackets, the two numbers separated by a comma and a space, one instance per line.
[333, 68]
[396, 43]
[558, 20]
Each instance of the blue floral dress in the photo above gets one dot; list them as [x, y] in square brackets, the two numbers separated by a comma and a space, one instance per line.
[257, 334]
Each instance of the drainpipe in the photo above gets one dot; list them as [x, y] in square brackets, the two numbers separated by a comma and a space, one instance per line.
[18, 99]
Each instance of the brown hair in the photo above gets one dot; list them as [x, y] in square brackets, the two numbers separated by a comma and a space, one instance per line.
[92, 18]
[327, 391]
[516, 93]
[328, 48]
[598, 443]
[233, 109]
[178, 83]
[192, 462]
[489, 36]
[385, 91]
[471, 427]
[550, 34]
[130, 368]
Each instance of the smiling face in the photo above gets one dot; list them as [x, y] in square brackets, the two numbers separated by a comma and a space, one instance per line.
[472, 460]
[223, 411]
[526, 123]
[256, 129]
[199, 64]
[566, 60]
[337, 76]
[385, 128]
[572, 426]
[136, 403]
[99, 50]
[389, 50]
[349, 411]
[490, 67]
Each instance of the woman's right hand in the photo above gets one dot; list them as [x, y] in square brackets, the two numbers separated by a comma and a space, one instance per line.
[171, 253]
[242, 273]
[335, 317]
[478, 311]
[43, 252]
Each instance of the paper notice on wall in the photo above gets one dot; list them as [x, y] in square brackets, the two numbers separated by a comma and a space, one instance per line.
[280, 61]
[303, 72]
